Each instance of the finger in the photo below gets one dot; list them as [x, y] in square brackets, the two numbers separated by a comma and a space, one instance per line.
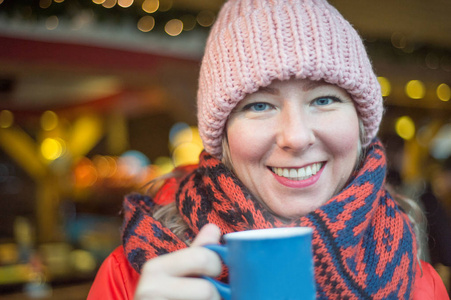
[209, 234]
[185, 262]
[175, 288]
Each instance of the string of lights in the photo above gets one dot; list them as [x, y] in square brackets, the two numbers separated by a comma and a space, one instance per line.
[160, 16]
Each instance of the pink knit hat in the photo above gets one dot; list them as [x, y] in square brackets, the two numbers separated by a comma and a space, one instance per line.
[254, 42]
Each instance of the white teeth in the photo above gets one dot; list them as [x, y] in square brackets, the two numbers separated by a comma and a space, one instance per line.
[301, 172]
[298, 174]
[308, 171]
[286, 173]
[314, 169]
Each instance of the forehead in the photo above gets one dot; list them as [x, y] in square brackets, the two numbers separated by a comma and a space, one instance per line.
[304, 84]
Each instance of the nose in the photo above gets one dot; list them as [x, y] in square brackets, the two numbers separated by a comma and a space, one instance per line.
[295, 132]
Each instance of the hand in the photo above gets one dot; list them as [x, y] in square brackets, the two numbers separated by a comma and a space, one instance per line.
[167, 276]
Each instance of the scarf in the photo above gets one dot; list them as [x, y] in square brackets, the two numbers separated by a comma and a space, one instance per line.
[363, 244]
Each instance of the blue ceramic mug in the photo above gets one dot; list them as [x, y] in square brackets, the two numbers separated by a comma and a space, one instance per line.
[268, 264]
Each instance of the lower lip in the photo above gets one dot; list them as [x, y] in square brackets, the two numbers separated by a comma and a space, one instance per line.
[299, 183]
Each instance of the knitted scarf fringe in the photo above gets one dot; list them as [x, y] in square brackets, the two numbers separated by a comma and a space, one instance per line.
[364, 246]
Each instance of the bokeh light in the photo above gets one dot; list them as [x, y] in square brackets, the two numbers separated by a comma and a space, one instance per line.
[150, 6]
[98, 1]
[175, 130]
[51, 22]
[83, 261]
[405, 127]
[6, 119]
[432, 61]
[174, 27]
[385, 86]
[109, 3]
[206, 18]
[52, 148]
[133, 162]
[45, 3]
[85, 174]
[444, 92]
[189, 22]
[415, 89]
[441, 144]
[164, 164]
[165, 5]
[398, 40]
[146, 23]
[106, 166]
[186, 154]
[125, 3]
[49, 120]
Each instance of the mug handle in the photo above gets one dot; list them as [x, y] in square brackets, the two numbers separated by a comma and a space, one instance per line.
[223, 289]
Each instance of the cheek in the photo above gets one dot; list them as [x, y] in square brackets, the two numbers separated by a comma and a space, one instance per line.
[344, 136]
[247, 143]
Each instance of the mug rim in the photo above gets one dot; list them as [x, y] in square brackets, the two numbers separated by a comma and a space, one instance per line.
[269, 233]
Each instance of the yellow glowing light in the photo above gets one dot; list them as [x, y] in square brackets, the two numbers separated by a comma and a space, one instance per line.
[45, 3]
[150, 6]
[146, 23]
[183, 136]
[405, 127]
[98, 1]
[6, 119]
[83, 261]
[174, 27]
[125, 3]
[186, 154]
[164, 165]
[205, 18]
[415, 89]
[49, 120]
[385, 86]
[165, 5]
[51, 23]
[109, 3]
[59, 1]
[51, 149]
[86, 132]
[444, 92]
[196, 137]
[189, 22]
[1, 1]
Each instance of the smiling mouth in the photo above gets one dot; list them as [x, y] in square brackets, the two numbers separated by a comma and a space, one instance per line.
[298, 173]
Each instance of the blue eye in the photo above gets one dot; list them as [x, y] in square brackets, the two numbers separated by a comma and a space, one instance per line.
[325, 100]
[258, 106]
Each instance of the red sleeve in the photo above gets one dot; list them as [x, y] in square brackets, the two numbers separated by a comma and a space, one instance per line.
[429, 285]
[116, 279]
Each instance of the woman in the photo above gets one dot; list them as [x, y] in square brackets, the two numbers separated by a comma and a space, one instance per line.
[288, 110]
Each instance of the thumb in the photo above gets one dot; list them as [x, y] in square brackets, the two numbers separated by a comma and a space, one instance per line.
[209, 234]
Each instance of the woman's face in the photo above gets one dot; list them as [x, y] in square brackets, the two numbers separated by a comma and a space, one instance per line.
[294, 144]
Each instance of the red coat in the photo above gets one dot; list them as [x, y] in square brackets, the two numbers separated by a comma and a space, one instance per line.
[116, 279]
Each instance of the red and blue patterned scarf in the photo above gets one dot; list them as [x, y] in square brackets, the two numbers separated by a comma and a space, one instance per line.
[364, 246]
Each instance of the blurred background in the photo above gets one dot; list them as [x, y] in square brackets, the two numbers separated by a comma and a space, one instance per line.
[97, 97]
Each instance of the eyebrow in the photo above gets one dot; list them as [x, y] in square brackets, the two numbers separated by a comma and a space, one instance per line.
[312, 84]
[269, 90]
[307, 86]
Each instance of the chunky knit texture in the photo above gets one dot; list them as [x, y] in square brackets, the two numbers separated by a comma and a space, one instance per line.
[363, 244]
[254, 42]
